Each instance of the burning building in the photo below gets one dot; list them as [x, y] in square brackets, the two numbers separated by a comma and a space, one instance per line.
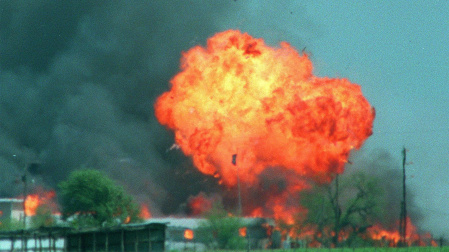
[189, 233]
[256, 119]
[239, 108]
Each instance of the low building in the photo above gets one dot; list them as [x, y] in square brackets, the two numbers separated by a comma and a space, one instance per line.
[130, 237]
[41, 239]
[182, 233]
[11, 209]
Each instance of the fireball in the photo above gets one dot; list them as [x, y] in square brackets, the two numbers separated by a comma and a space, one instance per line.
[239, 107]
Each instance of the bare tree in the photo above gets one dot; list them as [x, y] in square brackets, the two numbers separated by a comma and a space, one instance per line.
[340, 212]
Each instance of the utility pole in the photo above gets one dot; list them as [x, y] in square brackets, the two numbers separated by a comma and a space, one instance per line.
[28, 165]
[337, 211]
[24, 180]
[234, 162]
[403, 215]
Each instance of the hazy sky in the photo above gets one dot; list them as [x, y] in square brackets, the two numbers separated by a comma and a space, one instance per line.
[398, 52]
[78, 80]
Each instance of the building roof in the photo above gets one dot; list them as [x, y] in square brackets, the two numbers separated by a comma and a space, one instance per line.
[7, 200]
[193, 223]
[178, 222]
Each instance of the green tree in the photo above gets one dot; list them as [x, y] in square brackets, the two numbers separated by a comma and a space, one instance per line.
[43, 217]
[90, 198]
[221, 230]
[341, 212]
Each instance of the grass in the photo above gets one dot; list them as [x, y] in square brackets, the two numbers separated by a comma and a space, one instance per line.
[371, 249]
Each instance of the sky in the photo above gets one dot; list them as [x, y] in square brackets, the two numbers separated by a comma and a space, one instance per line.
[78, 81]
[397, 52]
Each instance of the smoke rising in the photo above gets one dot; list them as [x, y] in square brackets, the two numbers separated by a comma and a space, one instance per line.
[387, 171]
[78, 80]
[78, 83]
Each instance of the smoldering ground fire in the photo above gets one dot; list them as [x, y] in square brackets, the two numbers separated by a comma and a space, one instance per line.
[240, 98]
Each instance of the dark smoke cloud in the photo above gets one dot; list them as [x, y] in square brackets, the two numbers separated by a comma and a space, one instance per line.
[78, 82]
[387, 171]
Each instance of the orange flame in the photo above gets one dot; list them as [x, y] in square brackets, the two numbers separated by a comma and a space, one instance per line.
[144, 212]
[263, 107]
[393, 237]
[199, 204]
[31, 204]
[188, 234]
[242, 231]
[33, 201]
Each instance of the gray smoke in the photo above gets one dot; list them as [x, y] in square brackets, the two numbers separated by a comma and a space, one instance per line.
[387, 171]
[78, 80]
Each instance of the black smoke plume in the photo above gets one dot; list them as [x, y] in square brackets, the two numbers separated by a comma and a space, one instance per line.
[78, 80]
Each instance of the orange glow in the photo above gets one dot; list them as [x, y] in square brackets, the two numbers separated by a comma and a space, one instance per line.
[433, 243]
[393, 237]
[241, 100]
[378, 233]
[280, 213]
[31, 204]
[144, 212]
[256, 213]
[188, 234]
[199, 204]
[242, 231]
[33, 201]
[127, 220]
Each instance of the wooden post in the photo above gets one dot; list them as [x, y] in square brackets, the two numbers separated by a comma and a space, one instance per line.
[107, 241]
[26, 243]
[123, 240]
[49, 242]
[35, 242]
[23, 239]
[54, 243]
[149, 238]
[40, 243]
[79, 242]
[94, 243]
[136, 242]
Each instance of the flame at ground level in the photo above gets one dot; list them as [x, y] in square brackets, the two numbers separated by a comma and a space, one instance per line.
[376, 235]
[242, 231]
[392, 237]
[188, 234]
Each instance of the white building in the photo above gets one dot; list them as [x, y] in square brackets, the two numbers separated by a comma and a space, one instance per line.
[11, 209]
[258, 232]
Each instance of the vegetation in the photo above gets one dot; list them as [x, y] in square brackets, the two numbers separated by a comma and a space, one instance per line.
[90, 198]
[221, 230]
[11, 224]
[43, 217]
[340, 213]
[409, 249]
